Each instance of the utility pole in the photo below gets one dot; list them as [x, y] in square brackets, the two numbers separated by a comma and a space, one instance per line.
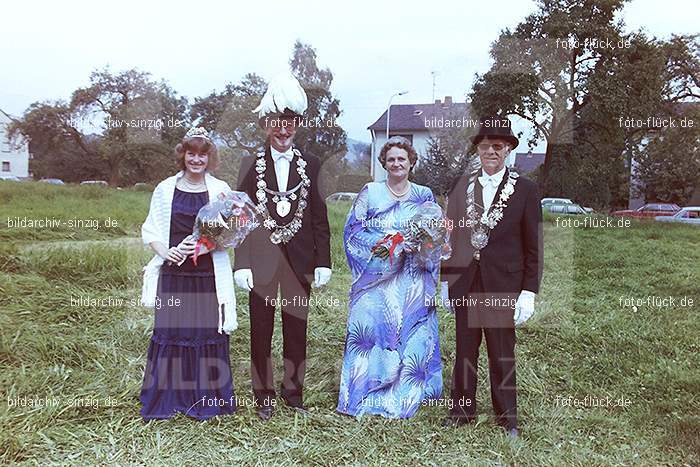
[388, 110]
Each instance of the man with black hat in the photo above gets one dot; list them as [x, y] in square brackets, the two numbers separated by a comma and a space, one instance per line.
[494, 271]
[289, 250]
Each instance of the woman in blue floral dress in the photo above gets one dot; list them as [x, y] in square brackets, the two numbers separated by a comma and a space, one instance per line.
[392, 353]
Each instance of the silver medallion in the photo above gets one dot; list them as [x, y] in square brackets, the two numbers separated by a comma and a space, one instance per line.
[283, 207]
[480, 238]
[275, 238]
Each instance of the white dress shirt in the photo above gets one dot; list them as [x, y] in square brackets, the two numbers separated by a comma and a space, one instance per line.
[490, 184]
[282, 161]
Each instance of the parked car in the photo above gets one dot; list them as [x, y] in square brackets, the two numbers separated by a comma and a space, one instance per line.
[687, 215]
[548, 201]
[341, 196]
[95, 182]
[565, 209]
[649, 210]
[563, 201]
[52, 181]
[10, 178]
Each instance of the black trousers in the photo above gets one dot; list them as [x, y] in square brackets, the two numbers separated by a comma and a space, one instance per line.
[294, 304]
[472, 320]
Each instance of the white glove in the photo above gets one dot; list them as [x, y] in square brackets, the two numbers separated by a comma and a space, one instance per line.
[244, 279]
[524, 307]
[321, 277]
[445, 296]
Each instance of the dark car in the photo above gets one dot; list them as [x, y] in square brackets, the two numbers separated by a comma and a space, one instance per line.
[650, 210]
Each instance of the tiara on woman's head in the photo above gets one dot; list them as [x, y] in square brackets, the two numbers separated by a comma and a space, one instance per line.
[197, 131]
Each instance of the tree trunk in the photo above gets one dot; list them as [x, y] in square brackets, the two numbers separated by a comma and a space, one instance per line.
[543, 181]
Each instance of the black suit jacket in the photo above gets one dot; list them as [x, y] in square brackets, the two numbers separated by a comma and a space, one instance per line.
[513, 259]
[310, 246]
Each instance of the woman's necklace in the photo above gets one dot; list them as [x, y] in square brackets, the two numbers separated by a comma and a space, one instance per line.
[399, 195]
[190, 186]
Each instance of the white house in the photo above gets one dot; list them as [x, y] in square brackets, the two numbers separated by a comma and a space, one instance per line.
[416, 122]
[14, 156]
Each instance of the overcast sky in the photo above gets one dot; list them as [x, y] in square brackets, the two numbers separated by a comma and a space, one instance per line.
[373, 48]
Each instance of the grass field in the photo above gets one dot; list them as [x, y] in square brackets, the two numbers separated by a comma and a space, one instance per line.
[71, 374]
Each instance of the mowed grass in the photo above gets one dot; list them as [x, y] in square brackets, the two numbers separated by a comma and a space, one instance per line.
[88, 362]
[82, 212]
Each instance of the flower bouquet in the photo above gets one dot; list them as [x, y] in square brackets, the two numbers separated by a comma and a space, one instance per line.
[426, 235]
[224, 222]
[385, 247]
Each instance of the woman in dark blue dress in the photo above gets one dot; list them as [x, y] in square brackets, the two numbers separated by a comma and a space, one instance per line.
[188, 369]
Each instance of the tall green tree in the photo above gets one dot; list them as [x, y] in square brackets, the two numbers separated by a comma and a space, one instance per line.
[323, 136]
[570, 71]
[59, 148]
[446, 158]
[668, 161]
[594, 166]
[229, 115]
[541, 68]
[143, 121]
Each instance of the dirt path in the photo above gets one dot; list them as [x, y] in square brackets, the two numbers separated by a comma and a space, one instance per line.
[44, 245]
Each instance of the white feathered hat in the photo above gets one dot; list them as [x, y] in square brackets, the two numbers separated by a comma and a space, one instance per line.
[284, 98]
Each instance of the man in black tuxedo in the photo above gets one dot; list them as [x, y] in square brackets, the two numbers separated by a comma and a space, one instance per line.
[494, 271]
[289, 250]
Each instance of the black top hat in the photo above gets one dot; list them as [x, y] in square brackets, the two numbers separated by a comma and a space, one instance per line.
[495, 127]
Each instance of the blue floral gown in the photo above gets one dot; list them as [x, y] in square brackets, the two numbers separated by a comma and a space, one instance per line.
[392, 353]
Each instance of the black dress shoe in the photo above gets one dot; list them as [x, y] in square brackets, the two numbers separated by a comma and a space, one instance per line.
[298, 406]
[301, 408]
[265, 412]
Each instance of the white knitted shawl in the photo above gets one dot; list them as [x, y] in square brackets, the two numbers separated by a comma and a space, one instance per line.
[157, 229]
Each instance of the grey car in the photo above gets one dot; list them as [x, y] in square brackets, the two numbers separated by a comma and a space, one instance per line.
[547, 202]
[565, 209]
[687, 215]
[52, 181]
[341, 196]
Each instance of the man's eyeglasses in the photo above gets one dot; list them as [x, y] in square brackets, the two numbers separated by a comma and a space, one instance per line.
[486, 146]
[281, 122]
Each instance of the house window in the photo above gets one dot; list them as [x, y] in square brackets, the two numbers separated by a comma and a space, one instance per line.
[5, 166]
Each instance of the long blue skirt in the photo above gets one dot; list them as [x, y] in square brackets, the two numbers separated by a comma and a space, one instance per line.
[188, 369]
